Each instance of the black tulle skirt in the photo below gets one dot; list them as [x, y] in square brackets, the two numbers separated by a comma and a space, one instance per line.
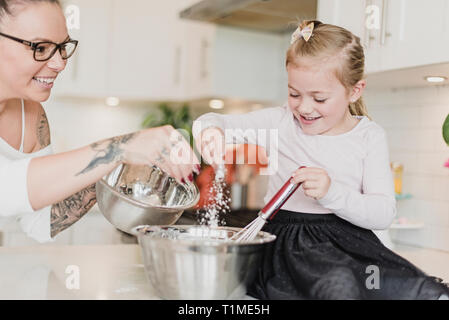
[321, 256]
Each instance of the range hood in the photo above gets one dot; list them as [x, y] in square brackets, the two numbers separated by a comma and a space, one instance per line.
[277, 16]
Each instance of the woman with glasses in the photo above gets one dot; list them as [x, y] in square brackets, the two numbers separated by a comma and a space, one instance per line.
[49, 192]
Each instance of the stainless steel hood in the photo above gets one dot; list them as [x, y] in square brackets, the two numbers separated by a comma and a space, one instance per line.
[264, 15]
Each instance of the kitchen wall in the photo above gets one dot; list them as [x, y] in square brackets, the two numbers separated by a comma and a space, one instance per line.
[76, 122]
[413, 119]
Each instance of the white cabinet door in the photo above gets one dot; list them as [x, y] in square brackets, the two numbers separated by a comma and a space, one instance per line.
[146, 50]
[141, 49]
[409, 32]
[362, 18]
[198, 54]
[86, 71]
[247, 64]
[348, 14]
[419, 33]
[232, 63]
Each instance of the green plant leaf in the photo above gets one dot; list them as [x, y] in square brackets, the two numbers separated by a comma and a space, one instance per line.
[148, 121]
[179, 118]
[446, 130]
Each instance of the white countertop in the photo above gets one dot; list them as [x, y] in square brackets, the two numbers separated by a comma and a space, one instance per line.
[110, 264]
[105, 272]
[114, 271]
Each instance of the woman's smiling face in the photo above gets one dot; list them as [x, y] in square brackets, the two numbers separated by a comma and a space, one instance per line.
[20, 75]
[318, 99]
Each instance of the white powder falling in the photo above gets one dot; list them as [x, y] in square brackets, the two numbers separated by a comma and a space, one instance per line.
[218, 204]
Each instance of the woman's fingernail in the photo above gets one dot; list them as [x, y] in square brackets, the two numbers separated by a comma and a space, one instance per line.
[191, 177]
[183, 181]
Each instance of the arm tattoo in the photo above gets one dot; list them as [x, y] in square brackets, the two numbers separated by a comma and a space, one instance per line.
[43, 130]
[107, 151]
[165, 151]
[70, 210]
[160, 159]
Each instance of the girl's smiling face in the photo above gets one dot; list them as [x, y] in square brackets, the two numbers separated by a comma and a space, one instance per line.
[20, 75]
[319, 100]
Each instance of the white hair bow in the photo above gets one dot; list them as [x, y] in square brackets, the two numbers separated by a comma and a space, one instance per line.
[305, 33]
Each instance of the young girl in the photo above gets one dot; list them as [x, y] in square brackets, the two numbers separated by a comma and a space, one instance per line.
[325, 248]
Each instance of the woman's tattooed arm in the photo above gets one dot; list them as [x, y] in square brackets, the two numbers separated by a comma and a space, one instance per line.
[70, 210]
[107, 151]
[42, 129]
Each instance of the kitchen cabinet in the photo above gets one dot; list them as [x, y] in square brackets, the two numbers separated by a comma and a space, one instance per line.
[350, 14]
[226, 62]
[419, 33]
[142, 50]
[146, 50]
[395, 33]
[86, 73]
[130, 49]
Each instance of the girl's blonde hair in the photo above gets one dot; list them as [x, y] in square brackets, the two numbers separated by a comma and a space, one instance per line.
[328, 40]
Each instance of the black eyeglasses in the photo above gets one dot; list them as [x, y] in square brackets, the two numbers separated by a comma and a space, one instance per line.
[45, 50]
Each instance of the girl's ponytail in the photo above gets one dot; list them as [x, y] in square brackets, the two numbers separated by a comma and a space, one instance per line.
[358, 108]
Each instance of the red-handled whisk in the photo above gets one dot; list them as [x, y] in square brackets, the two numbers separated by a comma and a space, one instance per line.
[268, 212]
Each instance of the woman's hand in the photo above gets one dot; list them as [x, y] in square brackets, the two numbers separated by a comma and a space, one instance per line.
[315, 181]
[164, 147]
[211, 144]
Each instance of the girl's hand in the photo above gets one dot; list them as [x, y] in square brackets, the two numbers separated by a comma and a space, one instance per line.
[211, 144]
[315, 181]
[164, 147]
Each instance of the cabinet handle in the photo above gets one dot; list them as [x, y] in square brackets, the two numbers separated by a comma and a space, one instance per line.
[203, 57]
[383, 33]
[177, 68]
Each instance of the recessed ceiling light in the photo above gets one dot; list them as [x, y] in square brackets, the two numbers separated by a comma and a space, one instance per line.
[435, 79]
[112, 101]
[216, 104]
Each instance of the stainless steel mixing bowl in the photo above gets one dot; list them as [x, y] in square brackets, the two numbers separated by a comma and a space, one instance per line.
[197, 262]
[133, 195]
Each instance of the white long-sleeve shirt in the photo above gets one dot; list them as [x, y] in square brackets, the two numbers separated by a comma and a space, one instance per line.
[361, 189]
[14, 200]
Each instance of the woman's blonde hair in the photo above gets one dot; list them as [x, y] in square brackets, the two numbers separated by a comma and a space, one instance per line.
[328, 40]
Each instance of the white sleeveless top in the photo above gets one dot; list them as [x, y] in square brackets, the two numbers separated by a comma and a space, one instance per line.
[14, 200]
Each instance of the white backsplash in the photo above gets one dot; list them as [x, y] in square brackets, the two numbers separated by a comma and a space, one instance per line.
[76, 123]
[413, 119]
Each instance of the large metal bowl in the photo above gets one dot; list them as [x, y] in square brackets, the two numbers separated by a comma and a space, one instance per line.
[197, 262]
[133, 195]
